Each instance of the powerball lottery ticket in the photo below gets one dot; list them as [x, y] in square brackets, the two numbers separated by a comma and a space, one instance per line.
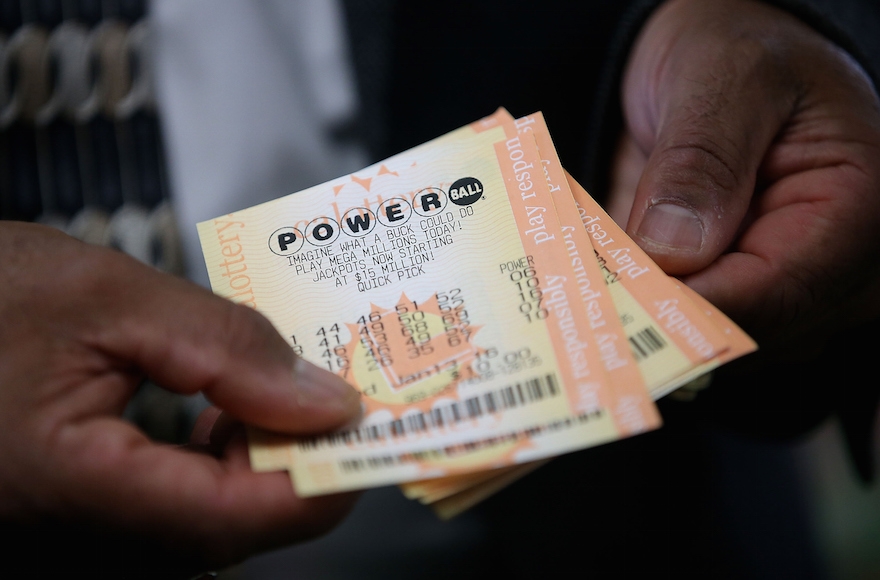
[421, 281]
[661, 367]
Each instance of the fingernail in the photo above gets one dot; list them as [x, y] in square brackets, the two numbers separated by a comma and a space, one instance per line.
[671, 225]
[318, 387]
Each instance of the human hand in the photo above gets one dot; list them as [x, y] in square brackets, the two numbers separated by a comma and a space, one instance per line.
[750, 168]
[81, 325]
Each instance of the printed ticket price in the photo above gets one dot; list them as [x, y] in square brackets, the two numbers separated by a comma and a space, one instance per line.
[456, 286]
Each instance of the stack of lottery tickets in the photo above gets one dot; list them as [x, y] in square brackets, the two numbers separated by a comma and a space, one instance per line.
[491, 314]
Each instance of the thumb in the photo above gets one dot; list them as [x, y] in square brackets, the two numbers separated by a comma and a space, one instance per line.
[236, 358]
[704, 107]
[185, 339]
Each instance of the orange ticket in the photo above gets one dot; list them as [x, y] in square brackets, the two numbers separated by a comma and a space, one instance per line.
[423, 281]
[668, 333]
[646, 342]
[586, 285]
[577, 291]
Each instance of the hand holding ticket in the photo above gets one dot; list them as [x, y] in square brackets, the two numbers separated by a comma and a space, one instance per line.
[489, 312]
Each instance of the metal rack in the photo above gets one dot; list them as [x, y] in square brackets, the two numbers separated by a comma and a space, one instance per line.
[81, 145]
[80, 138]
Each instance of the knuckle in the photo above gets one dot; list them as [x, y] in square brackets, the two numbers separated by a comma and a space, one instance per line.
[700, 162]
[247, 333]
[803, 291]
[245, 328]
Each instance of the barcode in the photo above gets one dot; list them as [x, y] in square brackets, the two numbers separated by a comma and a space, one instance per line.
[646, 342]
[385, 461]
[509, 397]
